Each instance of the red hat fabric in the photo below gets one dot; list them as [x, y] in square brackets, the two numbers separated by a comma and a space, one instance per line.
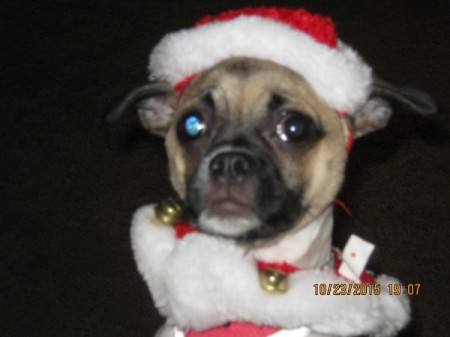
[304, 42]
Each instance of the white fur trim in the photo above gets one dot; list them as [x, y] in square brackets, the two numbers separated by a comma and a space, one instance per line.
[300, 332]
[152, 245]
[199, 293]
[339, 75]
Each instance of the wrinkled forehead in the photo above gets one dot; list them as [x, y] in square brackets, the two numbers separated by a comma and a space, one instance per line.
[241, 88]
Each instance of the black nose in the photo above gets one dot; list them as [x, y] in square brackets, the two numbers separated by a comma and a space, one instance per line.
[232, 167]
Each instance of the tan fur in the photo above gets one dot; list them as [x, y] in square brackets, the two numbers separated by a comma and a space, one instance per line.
[241, 99]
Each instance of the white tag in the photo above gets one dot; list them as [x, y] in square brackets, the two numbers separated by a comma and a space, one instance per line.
[300, 332]
[355, 256]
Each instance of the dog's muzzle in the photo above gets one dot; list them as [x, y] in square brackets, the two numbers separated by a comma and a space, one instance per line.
[239, 192]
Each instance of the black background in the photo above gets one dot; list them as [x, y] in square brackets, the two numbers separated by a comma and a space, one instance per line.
[69, 184]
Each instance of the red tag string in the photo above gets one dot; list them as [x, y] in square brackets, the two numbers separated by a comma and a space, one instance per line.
[344, 207]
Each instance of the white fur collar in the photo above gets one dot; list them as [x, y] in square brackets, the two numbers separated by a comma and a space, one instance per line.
[198, 293]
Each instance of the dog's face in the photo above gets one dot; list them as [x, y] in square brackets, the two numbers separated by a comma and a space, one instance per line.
[253, 150]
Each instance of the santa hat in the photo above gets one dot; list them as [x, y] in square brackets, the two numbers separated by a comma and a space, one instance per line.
[304, 42]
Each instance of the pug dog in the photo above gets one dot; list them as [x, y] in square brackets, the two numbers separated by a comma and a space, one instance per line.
[257, 150]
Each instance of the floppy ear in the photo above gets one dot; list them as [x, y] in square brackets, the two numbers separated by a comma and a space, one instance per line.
[376, 112]
[155, 103]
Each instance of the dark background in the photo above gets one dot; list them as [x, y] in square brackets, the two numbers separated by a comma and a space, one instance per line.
[69, 184]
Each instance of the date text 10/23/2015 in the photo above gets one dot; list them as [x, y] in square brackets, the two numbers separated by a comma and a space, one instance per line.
[361, 289]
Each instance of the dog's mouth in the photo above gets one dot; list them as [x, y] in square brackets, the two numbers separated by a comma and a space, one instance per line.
[228, 218]
[230, 207]
[227, 211]
[241, 195]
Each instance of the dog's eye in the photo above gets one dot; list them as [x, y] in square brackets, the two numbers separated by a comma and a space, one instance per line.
[292, 127]
[191, 126]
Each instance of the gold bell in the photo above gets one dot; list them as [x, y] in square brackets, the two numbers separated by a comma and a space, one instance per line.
[273, 281]
[169, 212]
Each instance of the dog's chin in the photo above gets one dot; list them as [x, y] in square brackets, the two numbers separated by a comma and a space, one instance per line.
[228, 220]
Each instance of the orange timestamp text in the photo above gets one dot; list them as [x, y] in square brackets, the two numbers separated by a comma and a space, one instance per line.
[361, 289]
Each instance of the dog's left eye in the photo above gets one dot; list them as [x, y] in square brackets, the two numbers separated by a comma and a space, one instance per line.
[292, 127]
[191, 126]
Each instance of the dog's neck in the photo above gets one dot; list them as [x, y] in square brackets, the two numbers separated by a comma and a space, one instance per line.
[308, 247]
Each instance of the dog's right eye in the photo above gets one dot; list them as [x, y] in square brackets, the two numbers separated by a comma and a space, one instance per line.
[296, 128]
[191, 126]
[293, 127]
